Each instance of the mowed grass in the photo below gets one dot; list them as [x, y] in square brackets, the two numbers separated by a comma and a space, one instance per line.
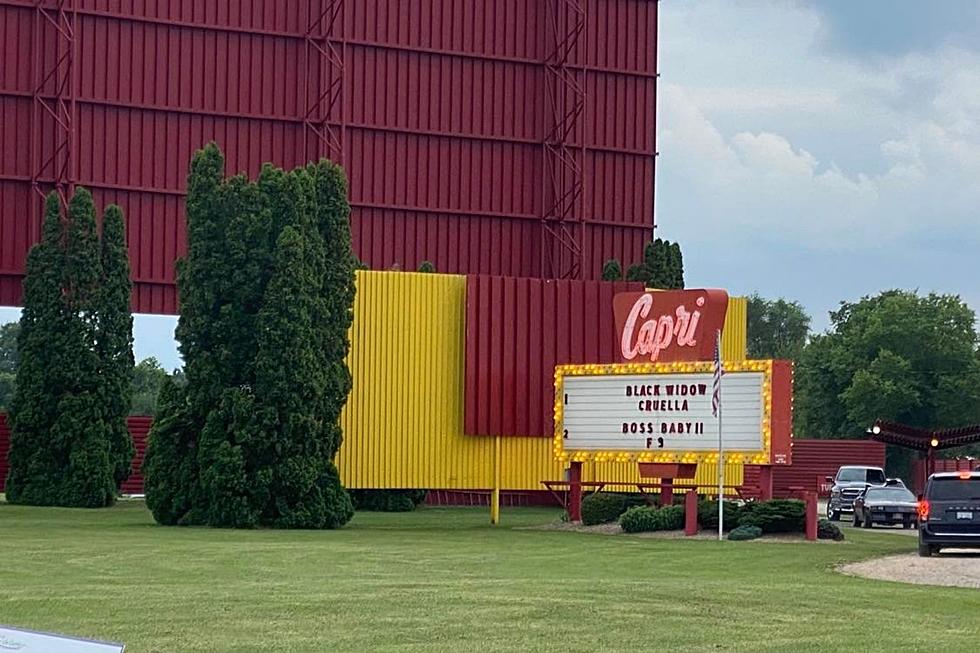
[443, 580]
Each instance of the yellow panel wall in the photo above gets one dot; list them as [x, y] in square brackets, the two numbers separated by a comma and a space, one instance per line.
[403, 423]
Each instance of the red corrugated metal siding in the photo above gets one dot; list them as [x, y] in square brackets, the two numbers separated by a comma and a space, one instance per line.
[517, 330]
[919, 475]
[445, 112]
[139, 429]
[815, 459]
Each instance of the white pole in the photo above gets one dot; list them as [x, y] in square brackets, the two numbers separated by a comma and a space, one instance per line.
[721, 474]
[721, 454]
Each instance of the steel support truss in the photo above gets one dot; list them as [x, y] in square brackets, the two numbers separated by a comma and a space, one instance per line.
[55, 81]
[324, 120]
[563, 161]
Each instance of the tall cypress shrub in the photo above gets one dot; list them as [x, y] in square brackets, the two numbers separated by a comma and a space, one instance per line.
[266, 289]
[115, 341]
[35, 473]
[81, 429]
[65, 450]
[170, 468]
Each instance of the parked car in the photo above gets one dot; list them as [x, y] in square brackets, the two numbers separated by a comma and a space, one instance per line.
[949, 512]
[850, 481]
[891, 504]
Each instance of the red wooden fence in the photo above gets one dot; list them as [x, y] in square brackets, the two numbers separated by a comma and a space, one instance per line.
[815, 459]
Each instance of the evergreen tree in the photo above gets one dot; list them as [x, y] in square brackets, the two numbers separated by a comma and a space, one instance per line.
[662, 267]
[170, 466]
[115, 341]
[267, 295]
[81, 431]
[333, 321]
[35, 475]
[612, 270]
[63, 451]
[170, 469]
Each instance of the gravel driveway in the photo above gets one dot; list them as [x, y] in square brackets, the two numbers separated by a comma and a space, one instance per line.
[954, 569]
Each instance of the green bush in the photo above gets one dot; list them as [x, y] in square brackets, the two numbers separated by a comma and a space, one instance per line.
[745, 533]
[387, 500]
[776, 516]
[605, 507]
[642, 519]
[708, 515]
[828, 530]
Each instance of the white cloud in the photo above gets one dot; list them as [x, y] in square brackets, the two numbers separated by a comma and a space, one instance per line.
[767, 142]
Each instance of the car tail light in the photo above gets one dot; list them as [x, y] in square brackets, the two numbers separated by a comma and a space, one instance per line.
[964, 476]
[923, 509]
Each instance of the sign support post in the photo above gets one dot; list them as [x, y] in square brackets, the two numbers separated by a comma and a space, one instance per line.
[719, 374]
[495, 495]
[721, 478]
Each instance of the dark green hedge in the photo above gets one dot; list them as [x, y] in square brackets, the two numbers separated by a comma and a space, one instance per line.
[642, 519]
[708, 514]
[776, 516]
[745, 533]
[387, 500]
[605, 507]
[828, 530]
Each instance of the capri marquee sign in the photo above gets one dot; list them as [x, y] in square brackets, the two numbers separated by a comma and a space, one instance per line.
[661, 412]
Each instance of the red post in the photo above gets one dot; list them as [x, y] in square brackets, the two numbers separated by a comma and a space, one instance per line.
[811, 515]
[765, 482]
[575, 492]
[691, 513]
[666, 492]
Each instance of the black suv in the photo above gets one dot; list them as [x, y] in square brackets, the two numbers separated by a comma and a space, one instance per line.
[949, 512]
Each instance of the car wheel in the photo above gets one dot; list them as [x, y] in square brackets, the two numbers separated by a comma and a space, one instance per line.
[907, 524]
[925, 550]
[867, 522]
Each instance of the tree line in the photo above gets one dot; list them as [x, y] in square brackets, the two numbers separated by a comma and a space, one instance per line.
[898, 355]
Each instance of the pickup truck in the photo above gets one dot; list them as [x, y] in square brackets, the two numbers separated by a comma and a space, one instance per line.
[850, 481]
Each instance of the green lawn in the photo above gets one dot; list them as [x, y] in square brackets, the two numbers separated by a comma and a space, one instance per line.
[442, 580]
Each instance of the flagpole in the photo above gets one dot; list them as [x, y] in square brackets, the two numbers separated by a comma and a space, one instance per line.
[721, 453]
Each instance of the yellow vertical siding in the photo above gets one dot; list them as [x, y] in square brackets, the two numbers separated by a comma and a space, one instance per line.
[403, 423]
[734, 335]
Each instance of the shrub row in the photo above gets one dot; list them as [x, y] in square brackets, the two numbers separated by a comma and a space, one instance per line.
[387, 500]
[605, 507]
[642, 519]
[775, 516]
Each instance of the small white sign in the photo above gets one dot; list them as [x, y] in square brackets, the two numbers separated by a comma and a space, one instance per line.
[661, 412]
[29, 641]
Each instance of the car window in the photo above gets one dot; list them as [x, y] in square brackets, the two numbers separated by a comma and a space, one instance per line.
[875, 476]
[954, 489]
[851, 475]
[890, 494]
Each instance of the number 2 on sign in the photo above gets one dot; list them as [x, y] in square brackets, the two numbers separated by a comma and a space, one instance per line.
[660, 443]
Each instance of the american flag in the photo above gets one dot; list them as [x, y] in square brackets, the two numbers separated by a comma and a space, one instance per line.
[716, 385]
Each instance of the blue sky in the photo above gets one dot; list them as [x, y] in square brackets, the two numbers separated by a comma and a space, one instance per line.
[822, 151]
[818, 151]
